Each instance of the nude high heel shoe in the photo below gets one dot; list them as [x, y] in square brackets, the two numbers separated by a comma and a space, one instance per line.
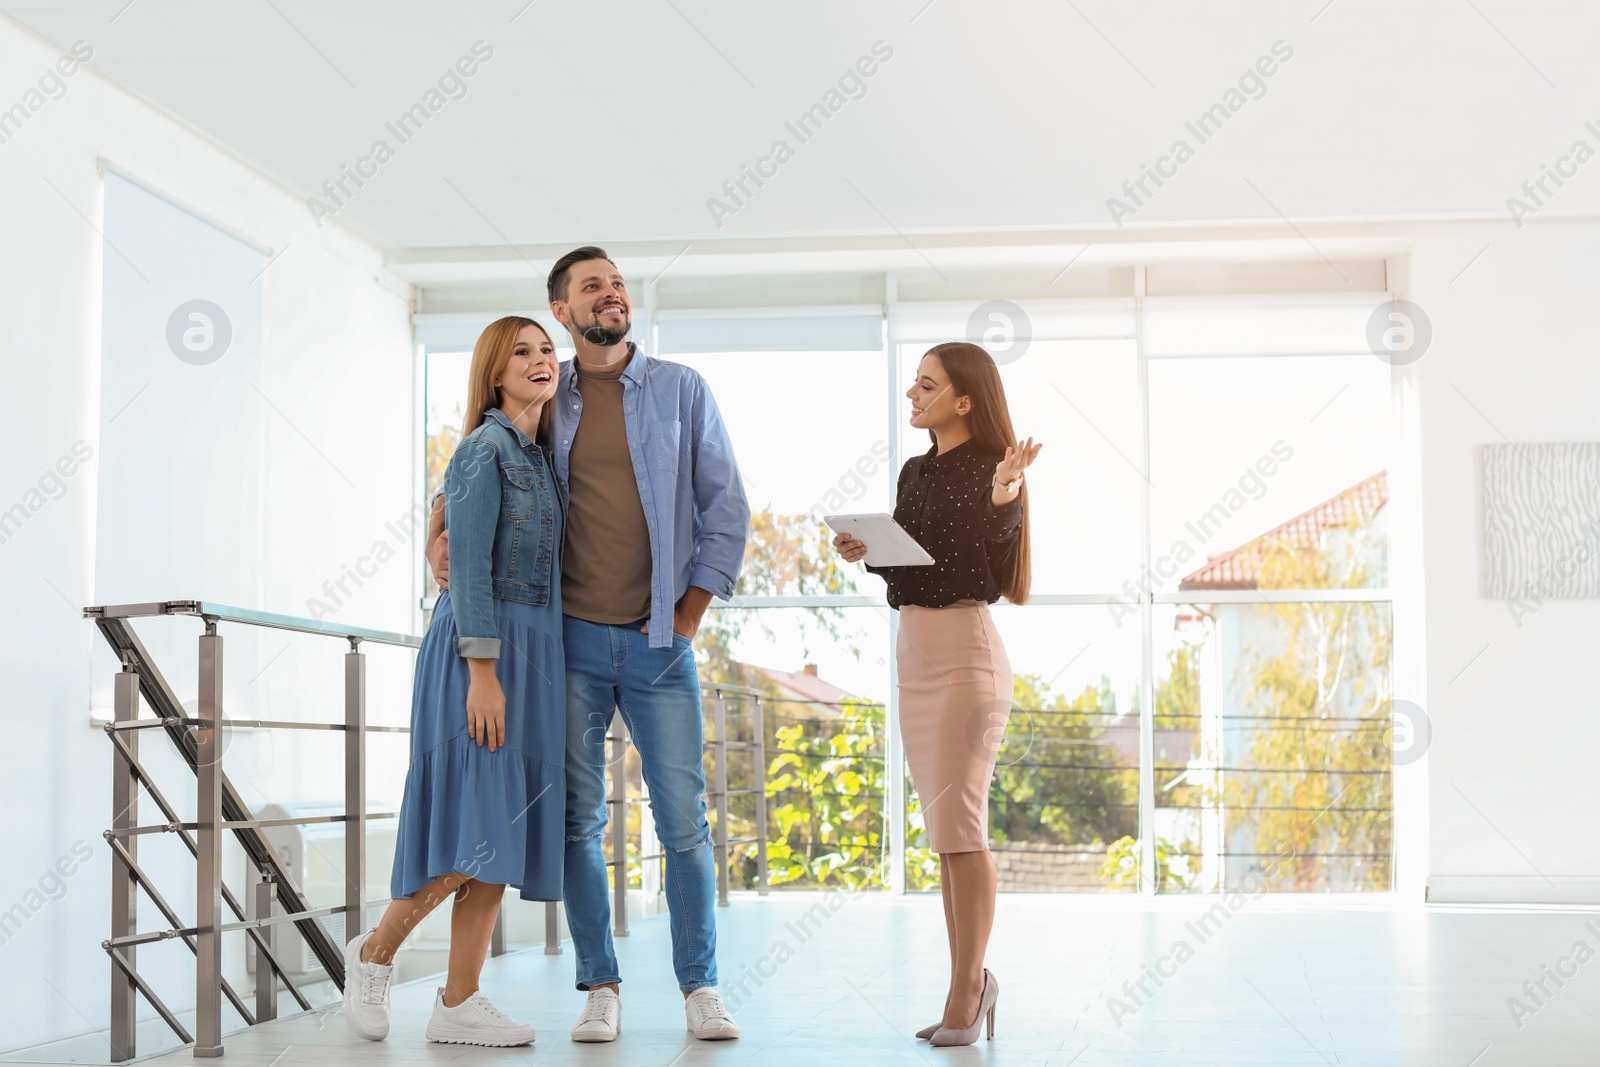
[928, 1031]
[991, 993]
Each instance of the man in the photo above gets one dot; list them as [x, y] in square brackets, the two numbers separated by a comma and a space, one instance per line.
[656, 526]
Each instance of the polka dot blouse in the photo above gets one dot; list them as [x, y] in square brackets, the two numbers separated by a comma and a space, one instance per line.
[947, 504]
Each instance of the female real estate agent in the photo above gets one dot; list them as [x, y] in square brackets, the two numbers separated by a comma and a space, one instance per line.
[964, 502]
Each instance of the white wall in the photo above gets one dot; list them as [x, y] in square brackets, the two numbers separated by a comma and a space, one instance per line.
[1515, 709]
[337, 365]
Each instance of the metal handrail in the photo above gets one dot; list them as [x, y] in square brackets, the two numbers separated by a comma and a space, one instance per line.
[216, 805]
[618, 800]
[209, 609]
[220, 809]
[757, 747]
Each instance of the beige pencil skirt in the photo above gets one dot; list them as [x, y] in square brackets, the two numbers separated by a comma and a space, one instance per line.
[955, 701]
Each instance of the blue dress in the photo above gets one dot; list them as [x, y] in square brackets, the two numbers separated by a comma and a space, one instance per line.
[497, 816]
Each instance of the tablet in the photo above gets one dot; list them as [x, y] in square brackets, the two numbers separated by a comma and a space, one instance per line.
[888, 544]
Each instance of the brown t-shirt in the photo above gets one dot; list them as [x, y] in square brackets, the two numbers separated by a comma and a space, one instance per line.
[605, 563]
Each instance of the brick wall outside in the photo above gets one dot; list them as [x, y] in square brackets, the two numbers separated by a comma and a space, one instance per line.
[1048, 868]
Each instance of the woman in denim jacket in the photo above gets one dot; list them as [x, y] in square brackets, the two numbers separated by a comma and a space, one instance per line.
[484, 799]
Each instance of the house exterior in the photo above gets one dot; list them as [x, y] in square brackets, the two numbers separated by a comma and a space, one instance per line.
[1344, 532]
[825, 699]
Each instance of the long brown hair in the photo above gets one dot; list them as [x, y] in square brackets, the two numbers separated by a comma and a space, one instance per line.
[973, 373]
[489, 358]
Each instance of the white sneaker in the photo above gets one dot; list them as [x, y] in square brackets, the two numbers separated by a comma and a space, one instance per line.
[707, 1016]
[602, 1017]
[475, 1021]
[366, 992]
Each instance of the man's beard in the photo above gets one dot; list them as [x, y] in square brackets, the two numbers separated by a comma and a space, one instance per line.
[604, 336]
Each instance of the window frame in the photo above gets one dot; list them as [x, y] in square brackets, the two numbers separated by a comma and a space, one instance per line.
[1117, 318]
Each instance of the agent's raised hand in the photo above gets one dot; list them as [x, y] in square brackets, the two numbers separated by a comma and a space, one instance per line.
[1016, 461]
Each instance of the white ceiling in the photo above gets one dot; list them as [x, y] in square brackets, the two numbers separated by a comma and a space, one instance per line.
[616, 122]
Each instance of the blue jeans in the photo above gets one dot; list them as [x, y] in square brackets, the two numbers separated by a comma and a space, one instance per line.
[611, 668]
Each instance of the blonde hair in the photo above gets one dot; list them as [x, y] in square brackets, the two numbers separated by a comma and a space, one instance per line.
[490, 355]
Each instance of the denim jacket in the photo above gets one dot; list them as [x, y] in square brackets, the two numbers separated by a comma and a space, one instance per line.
[505, 521]
[693, 497]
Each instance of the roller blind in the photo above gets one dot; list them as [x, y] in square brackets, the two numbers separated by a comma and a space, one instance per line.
[1259, 325]
[839, 329]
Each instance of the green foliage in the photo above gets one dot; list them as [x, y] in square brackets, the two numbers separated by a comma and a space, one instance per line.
[1056, 780]
[825, 789]
[441, 446]
[1178, 709]
[1328, 689]
[1121, 868]
[1178, 694]
[824, 781]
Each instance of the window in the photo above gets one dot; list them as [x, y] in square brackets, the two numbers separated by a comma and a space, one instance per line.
[1081, 398]
[1269, 483]
[1203, 673]
[809, 428]
[446, 400]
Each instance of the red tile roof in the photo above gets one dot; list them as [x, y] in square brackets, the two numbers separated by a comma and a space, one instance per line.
[806, 686]
[1241, 567]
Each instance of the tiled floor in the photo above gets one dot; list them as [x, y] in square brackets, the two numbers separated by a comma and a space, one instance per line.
[1274, 982]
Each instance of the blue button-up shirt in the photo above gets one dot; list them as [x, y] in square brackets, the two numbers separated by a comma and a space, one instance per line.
[694, 502]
